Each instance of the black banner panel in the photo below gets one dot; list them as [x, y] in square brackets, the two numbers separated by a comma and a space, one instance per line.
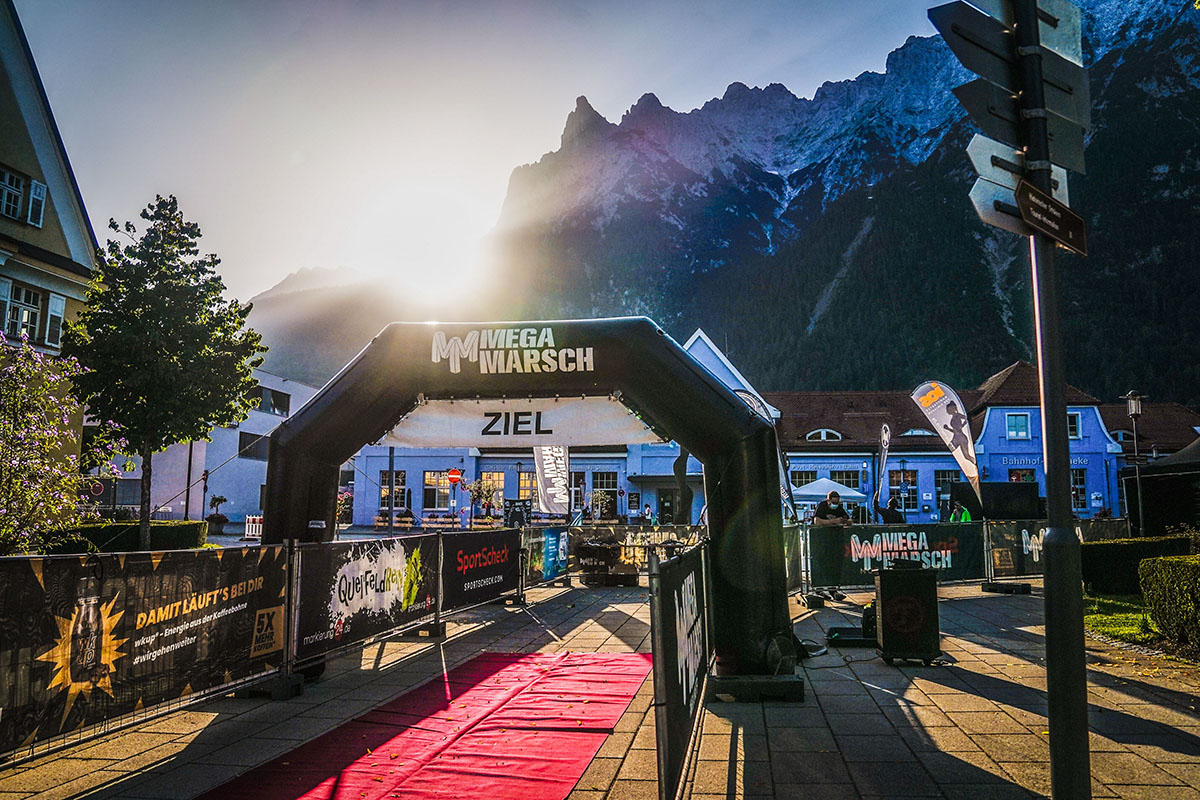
[478, 567]
[679, 632]
[352, 591]
[846, 556]
[89, 638]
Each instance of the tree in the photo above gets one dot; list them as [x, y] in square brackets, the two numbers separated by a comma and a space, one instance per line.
[216, 501]
[169, 358]
[481, 493]
[40, 476]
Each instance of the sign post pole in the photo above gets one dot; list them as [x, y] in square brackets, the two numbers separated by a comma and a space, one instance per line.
[1066, 671]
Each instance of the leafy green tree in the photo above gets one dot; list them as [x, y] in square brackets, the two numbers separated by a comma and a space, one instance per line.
[168, 358]
[40, 476]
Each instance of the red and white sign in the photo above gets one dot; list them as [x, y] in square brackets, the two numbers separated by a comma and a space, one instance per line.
[455, 475]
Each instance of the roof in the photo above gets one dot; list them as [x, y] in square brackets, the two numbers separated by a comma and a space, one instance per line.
[1186, 460]
[1167, 427]
[1017, 385]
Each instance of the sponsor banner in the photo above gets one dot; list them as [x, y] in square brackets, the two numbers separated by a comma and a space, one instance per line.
[89, 638]
[553, 479]
[517, 513]
[682, 652]
[885, 443]
[520, 422]
[556, 544]
[946, 413]
[477, 567]
[1016, 548]
[533, 542]
[352, 591]
[846, 556]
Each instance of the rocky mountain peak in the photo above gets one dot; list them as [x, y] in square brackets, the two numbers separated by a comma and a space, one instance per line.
[583, 123]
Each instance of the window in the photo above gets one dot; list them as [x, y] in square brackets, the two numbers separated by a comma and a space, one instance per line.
[918, 432]
[437, 491]
[846, 477]
[24, 306]
[252, 446]
[604, 483]
[11, 188]
[129, 492]
[494, 481]
[1125, 436]
[272, 401]
[1018, 426]
[37, 203]
[803, 476]
[54, 319]
[902, 483]
[942, 478]
[823, 435]
[527, 486]
[1073, 425]
[385, 485]
[1079, 496]
[578, 485]
[1022, 475]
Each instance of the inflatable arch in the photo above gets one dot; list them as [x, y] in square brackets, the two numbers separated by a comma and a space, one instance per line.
[629, 358]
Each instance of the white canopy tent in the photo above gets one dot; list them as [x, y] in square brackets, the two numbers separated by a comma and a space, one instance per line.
[821, 487]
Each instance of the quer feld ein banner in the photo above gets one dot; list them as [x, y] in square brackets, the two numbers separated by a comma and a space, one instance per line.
[945, 412]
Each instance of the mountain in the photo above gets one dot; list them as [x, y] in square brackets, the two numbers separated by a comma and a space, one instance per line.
[831, 239]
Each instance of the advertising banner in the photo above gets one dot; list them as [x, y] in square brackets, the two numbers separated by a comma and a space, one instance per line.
[89, 638]
[557, 546]
[946, 413]
[520, 422]
[352, 591]
[477, 567]
[1016, 547]
[846, 556]
[517, 513]
[553, 479]
[533, 541]
[885, 443]
[679, 633]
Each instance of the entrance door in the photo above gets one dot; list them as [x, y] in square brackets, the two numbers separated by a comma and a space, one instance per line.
[666, 505]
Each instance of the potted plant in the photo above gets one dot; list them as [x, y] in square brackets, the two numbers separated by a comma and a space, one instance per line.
[216, 520]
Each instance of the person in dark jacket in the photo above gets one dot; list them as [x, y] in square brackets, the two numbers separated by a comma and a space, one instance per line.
[892, 515]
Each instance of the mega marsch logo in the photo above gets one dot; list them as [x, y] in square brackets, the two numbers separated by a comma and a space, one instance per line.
[507, 350]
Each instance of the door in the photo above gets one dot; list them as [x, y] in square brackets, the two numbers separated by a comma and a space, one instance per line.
[666, 506]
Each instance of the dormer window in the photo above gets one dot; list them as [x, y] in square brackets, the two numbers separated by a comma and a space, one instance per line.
[823, 435]
[918, 432]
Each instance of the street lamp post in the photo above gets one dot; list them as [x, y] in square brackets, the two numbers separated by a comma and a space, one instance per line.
[1133, 402]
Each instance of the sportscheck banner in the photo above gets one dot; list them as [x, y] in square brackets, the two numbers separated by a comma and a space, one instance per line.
[351, 591]
[948, 416]
[520, 422]
[553, 479]
[89, 638]
[478, 567]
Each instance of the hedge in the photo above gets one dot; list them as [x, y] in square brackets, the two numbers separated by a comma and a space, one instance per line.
[1111, 567]
[122, 537]
[1171, 588]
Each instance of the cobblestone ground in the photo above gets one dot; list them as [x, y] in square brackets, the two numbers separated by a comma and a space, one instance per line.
[975, 727]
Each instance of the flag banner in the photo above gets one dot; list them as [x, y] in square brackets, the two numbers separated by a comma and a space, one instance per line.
[520, 422]
[553, 479]
[477, 567]
[945, 412]
[84, 639]
[352, 591]
[885, 441]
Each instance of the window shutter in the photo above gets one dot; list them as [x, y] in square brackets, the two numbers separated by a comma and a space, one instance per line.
[37, 203]
[5, 294]
[54, 320]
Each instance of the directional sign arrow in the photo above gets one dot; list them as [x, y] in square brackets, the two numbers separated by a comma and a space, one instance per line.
[998, 115]
[987, 48]
[1004, 166]
[996, 205]
[1060, 24]
[1046, 215]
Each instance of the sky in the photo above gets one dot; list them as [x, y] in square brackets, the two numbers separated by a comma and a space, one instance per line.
[379, 135]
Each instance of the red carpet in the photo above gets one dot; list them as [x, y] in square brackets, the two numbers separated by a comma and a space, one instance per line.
[500, 727]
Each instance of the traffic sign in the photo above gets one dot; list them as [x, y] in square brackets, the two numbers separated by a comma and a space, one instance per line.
[455, 475]
[1046, 215]
[996, 206]
[1002, 165]
[987, 47]
[998, 114]
[1060, 24]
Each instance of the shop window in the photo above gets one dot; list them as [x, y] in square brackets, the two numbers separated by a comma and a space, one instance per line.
[385, 486]
[495, 482]
[849, 478]
[802, 477]
[527, 486]
[437, 491]
[902, 483]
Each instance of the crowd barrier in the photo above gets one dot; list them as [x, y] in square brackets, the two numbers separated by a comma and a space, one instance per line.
[831, 557]
[683, 654]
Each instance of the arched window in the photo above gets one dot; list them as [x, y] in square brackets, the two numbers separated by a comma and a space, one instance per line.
[823, 435]
[918, 432]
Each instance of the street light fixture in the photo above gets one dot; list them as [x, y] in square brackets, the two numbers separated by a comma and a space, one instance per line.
[1133, 408]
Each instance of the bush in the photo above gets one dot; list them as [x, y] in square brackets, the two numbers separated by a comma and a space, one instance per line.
[1171, 588]
[1111, 567]
[122, 537]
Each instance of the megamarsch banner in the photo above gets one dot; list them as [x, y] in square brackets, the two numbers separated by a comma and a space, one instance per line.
[84, 639]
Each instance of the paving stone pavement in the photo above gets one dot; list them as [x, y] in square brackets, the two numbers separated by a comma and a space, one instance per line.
[975, 727]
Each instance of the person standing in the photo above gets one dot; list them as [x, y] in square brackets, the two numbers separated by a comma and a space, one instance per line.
[959, 513]
[892, 515]
[649, 516]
